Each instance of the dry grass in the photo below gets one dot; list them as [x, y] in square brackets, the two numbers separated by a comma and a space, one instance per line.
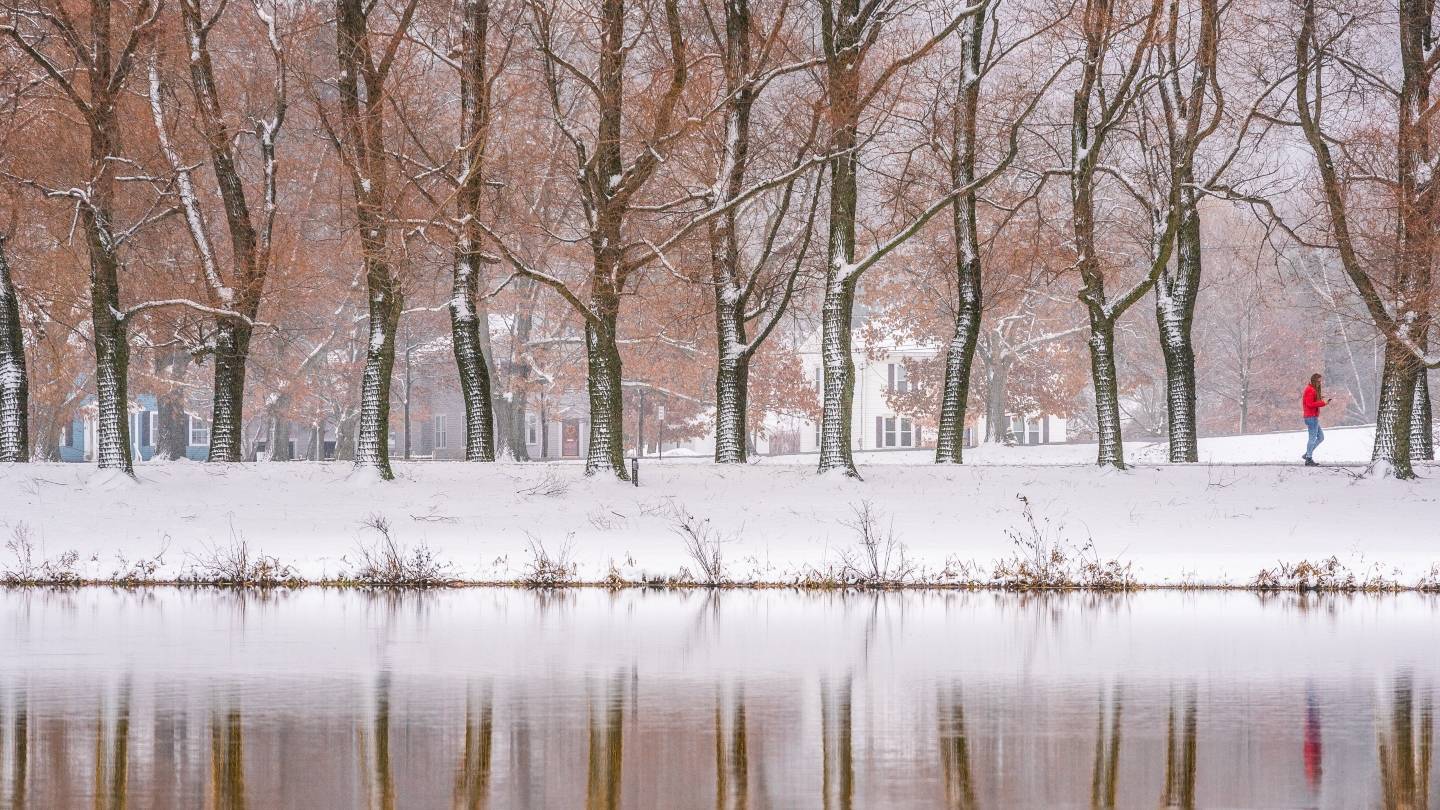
[702, 542]
[547, 570]
[1044, 559]
[879, 560]
[236, 564]
[1328, 574]
[32, 568]
[389, 563]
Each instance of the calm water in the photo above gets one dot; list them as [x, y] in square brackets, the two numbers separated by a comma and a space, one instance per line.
[514, 699]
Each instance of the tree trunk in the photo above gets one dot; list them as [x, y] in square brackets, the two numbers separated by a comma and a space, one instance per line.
[1107, 393]
[372, 450]
[839, 366]
[519, 378]
[278, 442]
[46, 439]
[345, 438]
[519, 450]
[232, 348]
[1392, 420]
[466, 322]
[112, 352]
[1175, 293]
[606, 452]
[732, 384]
[14, 380]
[969, 306]
[959, 360]
[474, 376]
[1422, 432]
[172, 431]
[997, 425]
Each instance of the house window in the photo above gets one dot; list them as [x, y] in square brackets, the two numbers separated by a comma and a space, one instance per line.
[819, 380]
[898, 380]
[199, 432]
[531, 432]
[67, 434]
[817, 435]
[441, 437]
[1032, 431]
[1017, 428]
[892, 431]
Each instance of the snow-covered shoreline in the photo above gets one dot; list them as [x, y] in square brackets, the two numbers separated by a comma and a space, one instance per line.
[776, 523]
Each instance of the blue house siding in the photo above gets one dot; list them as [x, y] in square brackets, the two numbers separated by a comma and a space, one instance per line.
[142, 434]
[74, 448]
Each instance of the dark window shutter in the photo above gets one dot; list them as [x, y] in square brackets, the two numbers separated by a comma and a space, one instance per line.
[879, 431]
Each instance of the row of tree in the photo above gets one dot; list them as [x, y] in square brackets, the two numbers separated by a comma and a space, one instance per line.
[601, 176]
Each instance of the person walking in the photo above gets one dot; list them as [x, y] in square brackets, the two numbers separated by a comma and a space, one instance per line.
[1312, 402]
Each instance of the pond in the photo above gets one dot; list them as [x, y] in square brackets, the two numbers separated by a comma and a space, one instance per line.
[508, 698]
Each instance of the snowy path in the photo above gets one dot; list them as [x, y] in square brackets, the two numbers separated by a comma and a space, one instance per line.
[1195, 524]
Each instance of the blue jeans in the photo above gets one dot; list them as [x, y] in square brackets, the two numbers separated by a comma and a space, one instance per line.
[1316, 434]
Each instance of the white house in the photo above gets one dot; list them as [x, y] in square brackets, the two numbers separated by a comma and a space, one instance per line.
[880, 370]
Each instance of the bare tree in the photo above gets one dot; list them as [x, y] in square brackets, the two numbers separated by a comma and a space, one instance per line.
[1110, 83]
[746, 295]
[849, 33]
[1398, 294]
[365, 60]
[92, 79]
[251, 231]
[1188, 124]
[980, 54]
[465, 318]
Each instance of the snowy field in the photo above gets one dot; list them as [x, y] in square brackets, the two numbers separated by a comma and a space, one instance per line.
[1215, 523]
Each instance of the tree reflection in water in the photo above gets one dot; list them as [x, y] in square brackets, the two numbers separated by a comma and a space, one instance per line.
[1405, 749]
[1181, 725]
[955, 753]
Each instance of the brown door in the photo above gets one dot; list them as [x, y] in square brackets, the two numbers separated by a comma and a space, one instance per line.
[570, 438]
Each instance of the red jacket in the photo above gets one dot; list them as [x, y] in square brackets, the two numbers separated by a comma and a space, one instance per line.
[1312, 402]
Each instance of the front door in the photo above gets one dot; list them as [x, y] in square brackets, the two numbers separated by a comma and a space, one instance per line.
[570, 438]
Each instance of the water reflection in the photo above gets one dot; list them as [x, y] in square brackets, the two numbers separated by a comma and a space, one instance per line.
[490, 699]
[1181, 731]
[1404, 748]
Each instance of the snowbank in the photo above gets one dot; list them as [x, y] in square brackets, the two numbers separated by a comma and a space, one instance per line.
[1175, 524]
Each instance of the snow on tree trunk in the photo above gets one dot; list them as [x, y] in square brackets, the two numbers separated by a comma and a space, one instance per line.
[1175, 293]
[112, 367]
[837, 308]
[232, 348]
[112, 347]
[732, 367]
[606, 451]
[959, 359]
[960, 354]
[1392, 420]
[469, 328]
[1107, 394]
[14, 380]
[470, 361]
[372, 449]
[839, 368]
[732, 383]
[1422, 431]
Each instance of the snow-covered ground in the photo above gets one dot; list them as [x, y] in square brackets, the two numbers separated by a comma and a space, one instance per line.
[1213, 523]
